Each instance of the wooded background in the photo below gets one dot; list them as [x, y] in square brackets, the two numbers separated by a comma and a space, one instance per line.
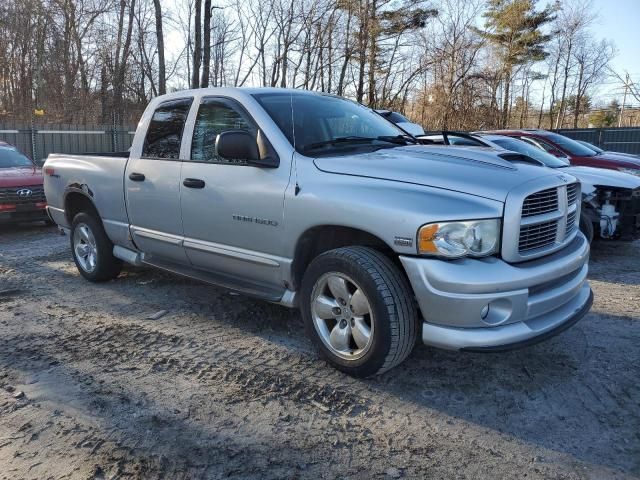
[456, 64]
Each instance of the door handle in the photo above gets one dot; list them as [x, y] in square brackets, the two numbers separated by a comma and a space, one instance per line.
[136, 177]
[193, 183]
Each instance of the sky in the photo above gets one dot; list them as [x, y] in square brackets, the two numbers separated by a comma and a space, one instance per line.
[617, 20]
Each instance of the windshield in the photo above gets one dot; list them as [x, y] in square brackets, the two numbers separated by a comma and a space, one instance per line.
[531, 151]
[569, 145]
[11, 158]
[590, 146]
[328, 125]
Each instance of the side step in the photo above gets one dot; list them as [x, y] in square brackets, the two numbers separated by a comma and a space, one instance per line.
[126, 255]
[252, 289]
[281, 296]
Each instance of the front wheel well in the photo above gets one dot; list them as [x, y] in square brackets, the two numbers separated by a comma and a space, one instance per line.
[318, 240]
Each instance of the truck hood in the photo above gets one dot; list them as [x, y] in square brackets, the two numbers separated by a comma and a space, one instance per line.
[469, 170]
[20, 177]
[590, 177]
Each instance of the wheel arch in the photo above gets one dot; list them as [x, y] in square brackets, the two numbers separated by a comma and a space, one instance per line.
[76, 200]
[322, 238]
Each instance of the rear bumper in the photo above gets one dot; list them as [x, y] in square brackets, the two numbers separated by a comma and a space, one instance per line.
[58, 216]
[490, 305]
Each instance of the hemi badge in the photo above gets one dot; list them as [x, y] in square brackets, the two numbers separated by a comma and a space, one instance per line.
[403, 241]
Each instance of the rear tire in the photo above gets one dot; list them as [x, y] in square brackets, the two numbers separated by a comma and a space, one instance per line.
[358, 308]
[92, 250]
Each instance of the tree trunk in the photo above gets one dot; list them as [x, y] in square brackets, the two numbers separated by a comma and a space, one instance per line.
[564, 86]
[162, 76]
[363, 37]
[347, 55]
[197, 45]
[507, 95]
[373, 52]
[206, 48]
[576, 110]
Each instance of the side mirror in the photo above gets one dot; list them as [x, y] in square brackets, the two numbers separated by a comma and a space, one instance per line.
[242, 145]
[237, 145]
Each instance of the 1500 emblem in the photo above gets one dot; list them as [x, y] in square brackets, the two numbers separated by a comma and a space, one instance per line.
[258, 220]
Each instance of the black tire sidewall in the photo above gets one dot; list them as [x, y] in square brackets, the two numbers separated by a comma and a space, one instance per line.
[586, 227]
[107, 266]
[374, 359]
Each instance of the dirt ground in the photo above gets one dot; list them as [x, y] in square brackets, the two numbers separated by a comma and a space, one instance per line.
[223, 386]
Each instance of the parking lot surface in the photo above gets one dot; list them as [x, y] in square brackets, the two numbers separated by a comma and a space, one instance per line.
[153, 375]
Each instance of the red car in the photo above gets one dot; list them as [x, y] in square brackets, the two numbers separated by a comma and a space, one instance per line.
[21, 192]
[575, 152]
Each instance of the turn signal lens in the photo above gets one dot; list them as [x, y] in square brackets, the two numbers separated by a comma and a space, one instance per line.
[476, 238]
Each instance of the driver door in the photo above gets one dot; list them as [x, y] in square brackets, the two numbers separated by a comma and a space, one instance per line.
[232, 212]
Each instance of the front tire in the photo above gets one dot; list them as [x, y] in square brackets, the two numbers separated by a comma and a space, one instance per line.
[92, 250]
[359, 310]
[586, 227]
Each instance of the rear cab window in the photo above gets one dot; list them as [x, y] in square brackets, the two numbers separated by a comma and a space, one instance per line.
[164, 134]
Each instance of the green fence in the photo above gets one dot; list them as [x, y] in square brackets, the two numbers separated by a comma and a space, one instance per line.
[626, 140]
[38, 142]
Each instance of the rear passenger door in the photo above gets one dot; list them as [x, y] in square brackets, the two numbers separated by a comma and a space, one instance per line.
[152, 184]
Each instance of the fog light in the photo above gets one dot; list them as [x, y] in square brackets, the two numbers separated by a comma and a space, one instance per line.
[484, 312]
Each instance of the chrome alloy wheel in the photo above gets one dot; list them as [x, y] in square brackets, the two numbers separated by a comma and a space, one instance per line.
[84, 246]
[342, 316]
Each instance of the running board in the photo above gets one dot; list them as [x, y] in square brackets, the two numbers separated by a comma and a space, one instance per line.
[252, 289]
[129, 256]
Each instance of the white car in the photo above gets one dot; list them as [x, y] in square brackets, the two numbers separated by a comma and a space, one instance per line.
[610, 199]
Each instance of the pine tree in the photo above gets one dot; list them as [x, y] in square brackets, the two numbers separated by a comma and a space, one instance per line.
[514, 29]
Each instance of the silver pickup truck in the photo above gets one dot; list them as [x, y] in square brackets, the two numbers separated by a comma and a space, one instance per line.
[313, 201]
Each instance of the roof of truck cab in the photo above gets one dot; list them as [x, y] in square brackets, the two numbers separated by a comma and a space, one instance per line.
[242, 90]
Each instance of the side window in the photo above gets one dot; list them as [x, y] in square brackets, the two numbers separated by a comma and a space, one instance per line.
[214, 117]
[164, 134]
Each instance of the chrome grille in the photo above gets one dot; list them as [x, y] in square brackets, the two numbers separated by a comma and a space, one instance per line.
[571, 222]
[537, 236]
[540, 203]
[572, 193]
[549, 219]
[10, 195]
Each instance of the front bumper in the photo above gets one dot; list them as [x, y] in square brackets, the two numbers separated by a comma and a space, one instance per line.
[24, 215]
[488, 304]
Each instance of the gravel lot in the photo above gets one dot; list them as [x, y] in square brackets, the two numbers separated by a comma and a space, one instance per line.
[92, 386]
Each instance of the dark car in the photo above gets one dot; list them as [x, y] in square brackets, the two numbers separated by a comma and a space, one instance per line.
[577, 153]
[599, 150]
[21, 192]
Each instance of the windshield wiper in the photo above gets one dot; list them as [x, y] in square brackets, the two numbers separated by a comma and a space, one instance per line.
[394, 139]
[399, 139]
[338, 141]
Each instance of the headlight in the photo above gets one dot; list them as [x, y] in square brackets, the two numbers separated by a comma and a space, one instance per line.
[475, 238]
[632, 171]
